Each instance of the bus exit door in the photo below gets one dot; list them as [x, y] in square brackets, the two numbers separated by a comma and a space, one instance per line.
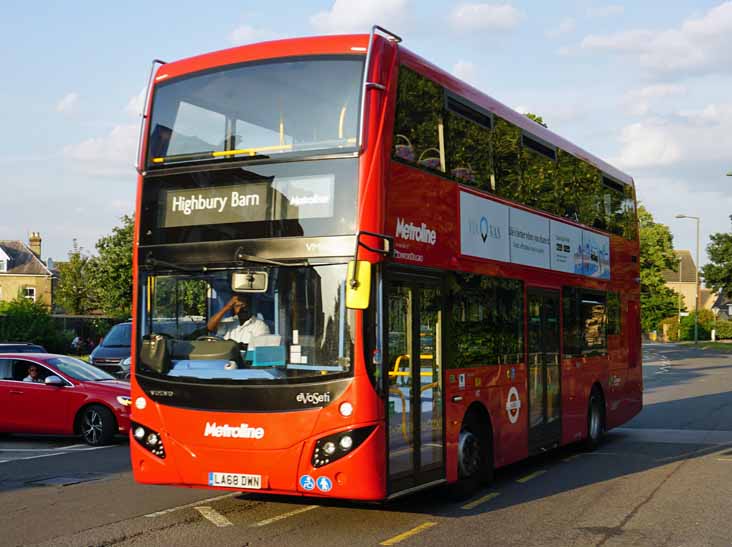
[414, 381]
[544, 369]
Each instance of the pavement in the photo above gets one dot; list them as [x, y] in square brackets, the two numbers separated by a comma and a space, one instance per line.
[662, 479]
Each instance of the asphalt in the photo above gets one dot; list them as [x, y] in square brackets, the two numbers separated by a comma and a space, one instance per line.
[661, 479]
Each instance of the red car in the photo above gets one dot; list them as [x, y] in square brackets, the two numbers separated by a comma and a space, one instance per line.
[57, 394]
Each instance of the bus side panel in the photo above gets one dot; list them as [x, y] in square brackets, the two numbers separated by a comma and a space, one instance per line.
[574, 401]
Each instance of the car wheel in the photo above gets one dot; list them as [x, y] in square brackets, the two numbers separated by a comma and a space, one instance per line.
[97, 425]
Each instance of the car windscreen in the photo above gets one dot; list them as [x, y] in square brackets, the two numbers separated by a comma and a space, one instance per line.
[79, 370]
[119, 337]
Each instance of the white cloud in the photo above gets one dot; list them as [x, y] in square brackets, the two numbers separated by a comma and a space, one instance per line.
[699, 45]
[485, 17]
[638, 100]
[359, 15]
[691, 141]
[136, 103]
[606, 11]
[565, 27]
[247, 34]
[466, 71]
[66, 104]
[110, 155]
[645, 145]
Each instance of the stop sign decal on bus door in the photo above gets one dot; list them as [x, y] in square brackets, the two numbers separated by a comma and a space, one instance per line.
[513, 405]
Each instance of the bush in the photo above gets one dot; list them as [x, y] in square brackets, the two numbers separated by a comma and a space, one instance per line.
[706, 324]
[26, 321]
[724, 330]
[670, 326]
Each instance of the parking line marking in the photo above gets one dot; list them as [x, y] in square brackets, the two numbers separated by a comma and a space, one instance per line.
[408, 533]
[54, 454]
[211, 514]
[724, 459]
[533, 475]
[475, 503]
[285, 515]
[572, 457]
[193, 504]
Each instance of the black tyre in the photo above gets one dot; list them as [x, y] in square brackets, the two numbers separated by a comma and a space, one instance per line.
[475, 458]
[97, 425]
[595, 420]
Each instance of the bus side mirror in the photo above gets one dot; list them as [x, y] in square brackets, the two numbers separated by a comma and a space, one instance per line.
[358, 285]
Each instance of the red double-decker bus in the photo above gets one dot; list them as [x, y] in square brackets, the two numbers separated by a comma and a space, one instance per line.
[357, 276]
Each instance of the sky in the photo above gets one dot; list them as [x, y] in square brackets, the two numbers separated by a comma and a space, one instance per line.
[643, 85]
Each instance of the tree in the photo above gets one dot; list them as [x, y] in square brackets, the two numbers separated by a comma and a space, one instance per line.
[656, 255]
[75, 292]
[112, 270]
[718, 272]
[538, 119]
[29, 321]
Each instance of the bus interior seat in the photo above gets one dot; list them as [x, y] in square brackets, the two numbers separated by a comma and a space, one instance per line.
[430, 162]
[404, 151]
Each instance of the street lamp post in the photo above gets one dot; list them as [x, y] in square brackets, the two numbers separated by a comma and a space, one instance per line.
[696, 277]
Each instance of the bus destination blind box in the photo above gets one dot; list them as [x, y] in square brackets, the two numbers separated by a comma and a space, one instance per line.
[249, 282]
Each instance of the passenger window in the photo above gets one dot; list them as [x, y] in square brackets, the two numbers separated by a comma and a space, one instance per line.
[486, 323]
[506, 139]
[585, 322]
[419, 130]
[539, 186]
[6, 369]
[468, 144]
[21, 370]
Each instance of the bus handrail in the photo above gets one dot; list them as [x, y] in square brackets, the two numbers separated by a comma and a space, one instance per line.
[143, 116]
[366, 84]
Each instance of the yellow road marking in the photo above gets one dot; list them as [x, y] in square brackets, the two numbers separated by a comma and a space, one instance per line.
[533, 475]
[724, 459]
[408, 533]
[212, 515]
[475, 503]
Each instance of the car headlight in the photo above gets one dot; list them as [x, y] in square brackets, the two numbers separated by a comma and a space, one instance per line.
[124, 400]
[125, 363]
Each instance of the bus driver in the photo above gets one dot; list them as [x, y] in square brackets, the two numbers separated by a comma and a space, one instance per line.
[242, 326]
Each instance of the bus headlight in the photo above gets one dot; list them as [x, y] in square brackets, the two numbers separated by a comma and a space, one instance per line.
[150, 440]
[333, 447]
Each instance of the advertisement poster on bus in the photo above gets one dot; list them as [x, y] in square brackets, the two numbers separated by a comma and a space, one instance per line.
[533, 240]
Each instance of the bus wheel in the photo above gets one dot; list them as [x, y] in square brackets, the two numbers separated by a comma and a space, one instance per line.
[475, 458]
[595, 420]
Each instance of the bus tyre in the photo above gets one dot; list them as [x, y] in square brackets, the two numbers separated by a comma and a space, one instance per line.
[97, 425]
[475, 458]
[595, 420]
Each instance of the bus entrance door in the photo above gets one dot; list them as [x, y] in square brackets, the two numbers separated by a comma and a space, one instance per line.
[544, 370]
[414, 377]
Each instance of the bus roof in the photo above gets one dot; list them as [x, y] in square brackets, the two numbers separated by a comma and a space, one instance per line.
[356, 44]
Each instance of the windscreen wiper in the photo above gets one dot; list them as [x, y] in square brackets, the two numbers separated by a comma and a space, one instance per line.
[152, 262]
[241, 256]
[251, 153]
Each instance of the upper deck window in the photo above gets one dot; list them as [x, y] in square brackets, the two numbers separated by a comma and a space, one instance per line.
[257, 110]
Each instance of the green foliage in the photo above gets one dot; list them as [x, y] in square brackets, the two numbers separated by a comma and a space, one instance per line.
[656, 255]
[112, 270]
[23, 320]
[536, 118]
[723, 330]
[670, 326]
[718, 272]
[75, 292]
[706, 324]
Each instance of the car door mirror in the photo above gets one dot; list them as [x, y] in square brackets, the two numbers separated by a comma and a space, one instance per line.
[54, 380]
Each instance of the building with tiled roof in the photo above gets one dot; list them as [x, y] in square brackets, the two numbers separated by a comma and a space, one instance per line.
[22, 272]
[683, 281]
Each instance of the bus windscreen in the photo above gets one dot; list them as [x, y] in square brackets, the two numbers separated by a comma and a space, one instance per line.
[257, 110]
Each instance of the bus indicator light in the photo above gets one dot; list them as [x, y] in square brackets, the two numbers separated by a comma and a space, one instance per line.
[346, 409]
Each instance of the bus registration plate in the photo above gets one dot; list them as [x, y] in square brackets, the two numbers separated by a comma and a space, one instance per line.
[235, 480]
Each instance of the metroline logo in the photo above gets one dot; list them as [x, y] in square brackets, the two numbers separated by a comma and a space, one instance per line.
[410, 232]
[242, 431]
